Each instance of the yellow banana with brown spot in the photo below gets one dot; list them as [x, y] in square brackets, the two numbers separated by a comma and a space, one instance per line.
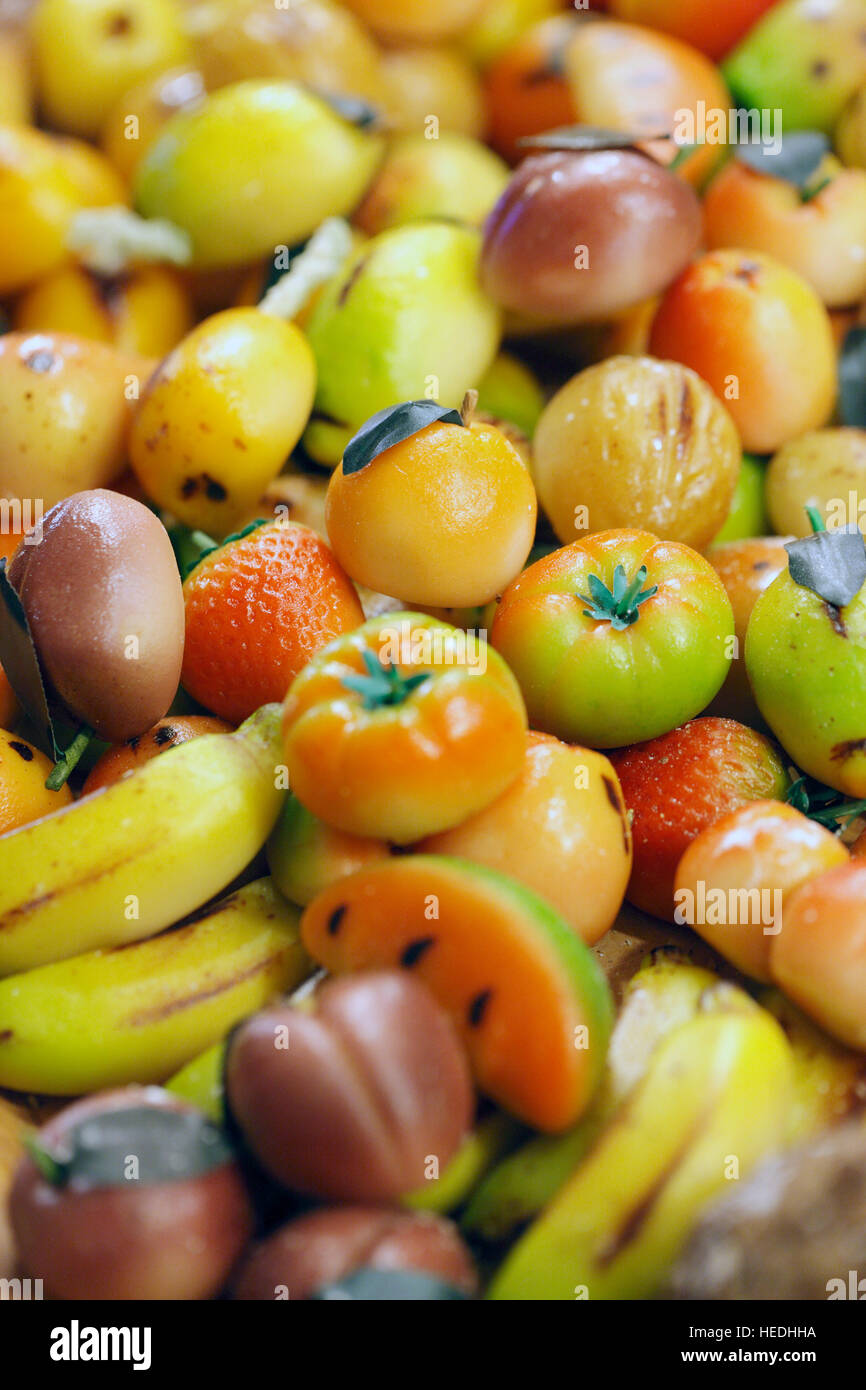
[140, 1012]
[715, 1099]
[126, 862]
[13, 1129]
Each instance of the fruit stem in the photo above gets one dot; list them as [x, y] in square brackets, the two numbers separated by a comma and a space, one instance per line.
[815, 519]
[811, 190]
[65, 764]
[320, 259]
[189, 547]
[468, 408]
[620, 604]
[107, 240]
[684, 152]
[385, 685]
[843, 812]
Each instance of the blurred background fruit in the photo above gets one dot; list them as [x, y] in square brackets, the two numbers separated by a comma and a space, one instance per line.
[311, 163]
[88, 52]
[803, 59]
[452, 177]
[305, 854]
[758, 333]
[713, 31]
[631, 78]
[404, 320]
[319, 1250]
[526, 89]
[825, 469]
[434, 80]
[145, 311]
[408, 20]
[746, 568]
[748, 513]
[66, 404]
[16, 81]
[132, 124]
[850, 134]
[820, 236]
[498, 24]
[316, 42]
[765, 846]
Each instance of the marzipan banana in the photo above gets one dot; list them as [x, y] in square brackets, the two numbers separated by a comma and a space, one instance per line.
[201, 1082]
[488, 1141]
[829, 1079]
[716, 1099]
[665, 992]
[108, 1018]
[12, 1132]
[126, 862]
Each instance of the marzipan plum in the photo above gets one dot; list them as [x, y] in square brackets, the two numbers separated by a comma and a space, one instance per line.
[557, 244]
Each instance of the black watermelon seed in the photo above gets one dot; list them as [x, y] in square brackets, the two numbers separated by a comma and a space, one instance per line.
[478, 1007]
[335, 919]
[416, 949]
[610, 789]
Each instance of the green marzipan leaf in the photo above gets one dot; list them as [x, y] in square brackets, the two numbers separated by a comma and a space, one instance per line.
[167, 1146]
[56, 730]
[355, 110]
[388, 1285]
[220, 545]
[21, 664]
[852, 378]
[391, 426]
[822, 803]
[830, 563]
[589, 137]
[796, 162]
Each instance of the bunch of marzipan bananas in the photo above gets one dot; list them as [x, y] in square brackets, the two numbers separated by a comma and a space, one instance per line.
[116, 965]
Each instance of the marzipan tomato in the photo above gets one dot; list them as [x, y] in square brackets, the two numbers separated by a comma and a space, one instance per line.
[616, 638]
[402, 728]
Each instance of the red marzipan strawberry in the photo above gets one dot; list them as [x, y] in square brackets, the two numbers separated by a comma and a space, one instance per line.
[678, 784]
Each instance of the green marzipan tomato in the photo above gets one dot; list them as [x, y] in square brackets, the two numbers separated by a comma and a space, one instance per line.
[612, 665]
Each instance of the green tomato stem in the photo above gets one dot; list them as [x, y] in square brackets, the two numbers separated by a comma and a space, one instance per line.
[620, 604]
[384, 686]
